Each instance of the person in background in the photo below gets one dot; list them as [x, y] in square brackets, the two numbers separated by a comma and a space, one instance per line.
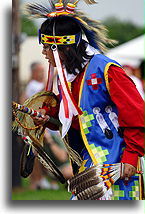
[129, 70]
[37, 81]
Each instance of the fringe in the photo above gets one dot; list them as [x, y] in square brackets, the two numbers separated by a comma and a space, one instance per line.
[73, 155]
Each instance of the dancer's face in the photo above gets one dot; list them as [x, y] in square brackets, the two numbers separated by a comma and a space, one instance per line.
[48, 54]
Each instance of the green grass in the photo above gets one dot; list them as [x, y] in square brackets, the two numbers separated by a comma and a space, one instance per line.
[26, 194]
[41, 195]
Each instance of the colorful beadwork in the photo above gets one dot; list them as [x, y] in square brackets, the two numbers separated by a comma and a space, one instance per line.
[94, 81]
[134, 194]
[70, 8]
[59, 8]
[99, 153]
[26, 110]
[86, 121]
[58, 40]
[117, 193]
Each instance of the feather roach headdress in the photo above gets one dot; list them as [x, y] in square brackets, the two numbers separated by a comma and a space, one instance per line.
[94, 31]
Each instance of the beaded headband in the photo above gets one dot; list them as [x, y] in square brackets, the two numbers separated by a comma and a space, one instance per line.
[59, 40]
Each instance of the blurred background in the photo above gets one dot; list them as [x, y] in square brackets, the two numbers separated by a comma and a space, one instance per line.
[124, 21]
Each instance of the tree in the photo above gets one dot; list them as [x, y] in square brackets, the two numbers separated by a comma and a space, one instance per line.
[28, 27]
[122, 31]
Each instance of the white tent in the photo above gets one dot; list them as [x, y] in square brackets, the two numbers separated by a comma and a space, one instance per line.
[131, 52]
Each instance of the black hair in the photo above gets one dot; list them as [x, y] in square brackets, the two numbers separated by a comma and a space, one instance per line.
[142, 68]
[74, 54]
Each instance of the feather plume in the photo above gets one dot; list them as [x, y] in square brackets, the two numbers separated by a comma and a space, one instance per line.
[94, 182]
[90, 1]
[95, 32]
[92, 193]
[86, 184]
[83, 177]
[35, 10]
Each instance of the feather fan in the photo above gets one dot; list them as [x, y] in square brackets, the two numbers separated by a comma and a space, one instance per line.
[94, 182]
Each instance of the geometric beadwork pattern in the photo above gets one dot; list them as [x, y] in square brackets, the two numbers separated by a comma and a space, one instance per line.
[86, 121]
[94, 81]
[99, 153]
[59, 40]
[117, 193]
[134, 194]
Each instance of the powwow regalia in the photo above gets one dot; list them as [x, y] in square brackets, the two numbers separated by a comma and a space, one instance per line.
[93, 124]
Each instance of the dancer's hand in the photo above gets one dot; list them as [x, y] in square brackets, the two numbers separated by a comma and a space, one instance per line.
[40, 120]
[129, 171]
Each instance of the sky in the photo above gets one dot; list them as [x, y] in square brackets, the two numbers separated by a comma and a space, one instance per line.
[132, 10]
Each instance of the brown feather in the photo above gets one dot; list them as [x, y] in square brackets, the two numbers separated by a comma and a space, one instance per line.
[98, 29]
[83, 176]
[88, 194]
[86, 184]
[90, 1]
